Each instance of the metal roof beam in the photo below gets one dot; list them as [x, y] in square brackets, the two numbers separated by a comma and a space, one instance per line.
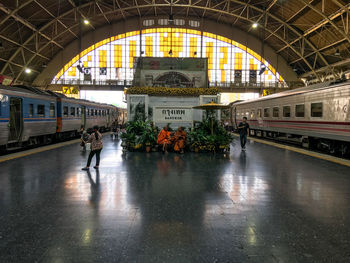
[20, 45]
[58, 20]
[289, 19]
[317, 26]
[9, 15]
[18, 65]
[289, 27]
[99, 7]
[27, 24]
[43, 28]
[342, 32]
[77, 8]
[321, 49]
[323, 69]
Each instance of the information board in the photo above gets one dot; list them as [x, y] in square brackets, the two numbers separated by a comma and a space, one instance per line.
[172, 114]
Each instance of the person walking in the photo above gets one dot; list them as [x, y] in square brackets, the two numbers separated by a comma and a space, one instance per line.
[243, 129]
[96, 147]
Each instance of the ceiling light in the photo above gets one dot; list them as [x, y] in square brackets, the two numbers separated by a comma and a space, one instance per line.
[86, 22]
[255, 25]
[337, 52]
[28, 70]
[171, 18]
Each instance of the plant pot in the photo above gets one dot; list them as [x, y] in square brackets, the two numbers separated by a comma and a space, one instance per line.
[148, 149]
[196, 149]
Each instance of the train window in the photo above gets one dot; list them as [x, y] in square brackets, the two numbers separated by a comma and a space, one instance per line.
[52, 109]
[65, 111]
[108, 112]
[316, 109]
[276, 112]
[286, 111]
[72, 111]
[95, 112]
[267, 112]
[259, 113]
[91, 112]
[78, 112]
[99, 113]
[300, 110]
[31, 110]
[41, 110]
[252, 114]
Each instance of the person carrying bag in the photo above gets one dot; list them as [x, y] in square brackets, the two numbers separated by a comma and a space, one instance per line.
[96, 147]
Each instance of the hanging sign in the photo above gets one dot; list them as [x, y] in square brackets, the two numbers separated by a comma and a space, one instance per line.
[69, 90]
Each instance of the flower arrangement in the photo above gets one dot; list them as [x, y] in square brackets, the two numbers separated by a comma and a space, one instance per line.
[162, 91]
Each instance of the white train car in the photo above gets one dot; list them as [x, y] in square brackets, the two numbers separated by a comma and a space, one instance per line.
[316, 115]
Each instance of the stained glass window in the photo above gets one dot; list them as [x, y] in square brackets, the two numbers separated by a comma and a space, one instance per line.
[112, 59]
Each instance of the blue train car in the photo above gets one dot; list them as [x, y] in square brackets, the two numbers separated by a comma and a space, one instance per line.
[30, 116]
[26, 117]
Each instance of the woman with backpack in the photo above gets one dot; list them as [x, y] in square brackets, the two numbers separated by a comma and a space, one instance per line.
[96, 147]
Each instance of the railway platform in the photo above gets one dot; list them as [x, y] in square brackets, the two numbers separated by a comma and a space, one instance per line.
[267, 204]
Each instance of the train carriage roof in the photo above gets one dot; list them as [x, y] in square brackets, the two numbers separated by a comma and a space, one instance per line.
[311, 88]
[33, 92]
[26, 92]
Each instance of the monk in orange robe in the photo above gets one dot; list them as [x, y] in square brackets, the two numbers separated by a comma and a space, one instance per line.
[164, 138]
[179, 140]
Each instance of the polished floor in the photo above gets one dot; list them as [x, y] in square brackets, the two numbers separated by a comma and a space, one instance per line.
[265, 205]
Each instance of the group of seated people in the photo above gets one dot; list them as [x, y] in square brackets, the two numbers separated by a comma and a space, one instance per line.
[177, 140]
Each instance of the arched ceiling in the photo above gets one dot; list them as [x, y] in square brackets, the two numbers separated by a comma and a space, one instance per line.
[313, 36]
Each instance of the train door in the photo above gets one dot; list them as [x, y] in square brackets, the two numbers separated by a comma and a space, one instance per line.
[83, 116]
[16, 119]
[108, 112]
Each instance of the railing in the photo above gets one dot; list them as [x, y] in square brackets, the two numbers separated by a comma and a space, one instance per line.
[223, 85]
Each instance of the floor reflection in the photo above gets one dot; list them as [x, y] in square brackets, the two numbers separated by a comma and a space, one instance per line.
[167, 207]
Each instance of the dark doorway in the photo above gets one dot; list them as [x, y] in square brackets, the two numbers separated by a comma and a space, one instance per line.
[16, 119]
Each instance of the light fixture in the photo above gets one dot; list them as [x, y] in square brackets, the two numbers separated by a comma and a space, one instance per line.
[86, 22]
[255, 25]
[337, 52]
[170, 52]
[171, 18]
[295, 69]
[28, 70]
[44, 65]
[195, 53]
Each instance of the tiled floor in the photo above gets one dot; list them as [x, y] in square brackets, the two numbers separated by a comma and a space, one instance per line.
[265, 205]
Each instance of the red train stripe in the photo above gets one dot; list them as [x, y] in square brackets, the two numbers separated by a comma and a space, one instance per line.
[312, 122]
